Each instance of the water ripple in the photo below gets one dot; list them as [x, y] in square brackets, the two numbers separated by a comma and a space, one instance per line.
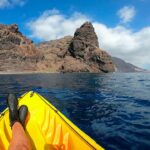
[112, 108]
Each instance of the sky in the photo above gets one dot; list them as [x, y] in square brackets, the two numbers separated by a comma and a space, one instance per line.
[122, 26]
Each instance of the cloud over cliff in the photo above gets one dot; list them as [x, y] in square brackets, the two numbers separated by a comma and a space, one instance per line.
[119, 41]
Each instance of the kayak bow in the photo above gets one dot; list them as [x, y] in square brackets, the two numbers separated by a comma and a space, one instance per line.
[46, 127]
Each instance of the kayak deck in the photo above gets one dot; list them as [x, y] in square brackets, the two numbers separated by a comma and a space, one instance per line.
[46, 127]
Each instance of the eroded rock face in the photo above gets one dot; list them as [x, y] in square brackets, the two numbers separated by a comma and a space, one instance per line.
[17, 53]
[84, 40]
[55, 52]
[85, 46]
[80, 53]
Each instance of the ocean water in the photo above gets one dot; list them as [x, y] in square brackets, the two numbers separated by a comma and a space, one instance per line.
[114, 109]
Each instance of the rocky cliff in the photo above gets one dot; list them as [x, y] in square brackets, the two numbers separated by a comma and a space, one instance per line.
[80, 53]
[17, 53]
[122, 66]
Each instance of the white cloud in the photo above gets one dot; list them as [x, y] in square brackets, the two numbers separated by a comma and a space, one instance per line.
[51, 25]
[119, 41]
[126, 14]
[4, 3]
[11, 3]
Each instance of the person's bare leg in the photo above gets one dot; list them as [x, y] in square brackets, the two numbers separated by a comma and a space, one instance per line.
[17, 118]
[19, 140]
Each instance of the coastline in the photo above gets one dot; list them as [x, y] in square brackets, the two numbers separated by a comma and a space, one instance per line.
[26, 72]
[51, 72]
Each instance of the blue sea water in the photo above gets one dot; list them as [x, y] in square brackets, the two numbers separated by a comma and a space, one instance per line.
[114, 109]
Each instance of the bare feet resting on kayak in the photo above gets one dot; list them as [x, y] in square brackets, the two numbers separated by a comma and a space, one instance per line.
[17, 119]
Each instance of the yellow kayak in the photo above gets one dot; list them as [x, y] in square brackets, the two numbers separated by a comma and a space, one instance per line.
[46, 127]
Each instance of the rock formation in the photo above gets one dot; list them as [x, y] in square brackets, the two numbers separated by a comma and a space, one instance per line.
[55, 53]
[78, 54]
[17, 53]
[84, 40]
